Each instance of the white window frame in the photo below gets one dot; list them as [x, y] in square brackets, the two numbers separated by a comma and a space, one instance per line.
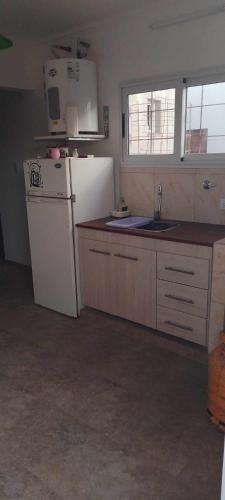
[178, 158]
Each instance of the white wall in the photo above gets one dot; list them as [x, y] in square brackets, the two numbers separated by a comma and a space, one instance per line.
[17, 126]
[16, 66]
[22, 116]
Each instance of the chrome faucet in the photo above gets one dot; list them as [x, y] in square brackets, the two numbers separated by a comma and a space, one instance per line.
[157, 213]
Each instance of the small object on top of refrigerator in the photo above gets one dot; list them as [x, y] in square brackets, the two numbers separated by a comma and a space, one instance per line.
[64, 152]
[75, 153]
[54, 153]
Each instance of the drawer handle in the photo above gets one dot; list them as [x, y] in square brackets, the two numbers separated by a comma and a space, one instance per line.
[177, 270]
[177, 325]
[99, 251]
[180, 299]
[125, 256]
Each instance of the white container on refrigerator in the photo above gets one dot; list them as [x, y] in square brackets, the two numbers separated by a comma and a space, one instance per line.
[71, 82]
[59, 194]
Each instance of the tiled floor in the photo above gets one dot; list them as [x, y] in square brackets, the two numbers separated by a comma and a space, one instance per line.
[98, 408]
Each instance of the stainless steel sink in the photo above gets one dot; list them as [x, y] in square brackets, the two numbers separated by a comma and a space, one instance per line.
[158, 226]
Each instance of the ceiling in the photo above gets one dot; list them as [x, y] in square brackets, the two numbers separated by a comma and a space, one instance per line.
[42, 19]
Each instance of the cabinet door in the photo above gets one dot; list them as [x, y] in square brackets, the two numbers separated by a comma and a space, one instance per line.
[134, 284]
[96, 274]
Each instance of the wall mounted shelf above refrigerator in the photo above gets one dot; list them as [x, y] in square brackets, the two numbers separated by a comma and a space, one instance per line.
[77, 138]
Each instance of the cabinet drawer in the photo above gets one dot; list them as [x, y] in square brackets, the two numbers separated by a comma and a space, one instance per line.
[182, 269]
[181, 325]
[182, 298]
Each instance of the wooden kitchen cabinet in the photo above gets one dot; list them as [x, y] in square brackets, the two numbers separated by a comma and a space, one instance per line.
[161, 284]
[96, 275]
[119, 279]
[134, 284]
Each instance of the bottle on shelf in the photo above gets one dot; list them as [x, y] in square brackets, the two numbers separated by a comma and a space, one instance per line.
[75, 153]
[123, 206]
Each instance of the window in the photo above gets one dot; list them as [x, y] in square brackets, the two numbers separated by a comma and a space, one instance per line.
[205, 119]
[151, 122]
[169, 122]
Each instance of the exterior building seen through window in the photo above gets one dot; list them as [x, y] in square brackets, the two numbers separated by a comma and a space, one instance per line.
[151, 122]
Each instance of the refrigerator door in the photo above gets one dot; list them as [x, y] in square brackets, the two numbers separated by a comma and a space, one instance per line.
[92, 182]
[52, 254]
[45, 177]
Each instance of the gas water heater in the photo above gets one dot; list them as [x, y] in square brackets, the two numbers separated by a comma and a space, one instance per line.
[71, 82]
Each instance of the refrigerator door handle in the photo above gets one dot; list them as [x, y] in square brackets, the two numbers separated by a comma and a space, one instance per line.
[34, 199]
[43, 199]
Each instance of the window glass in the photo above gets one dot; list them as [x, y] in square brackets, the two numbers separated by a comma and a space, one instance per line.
[151, 122]
[205, 119]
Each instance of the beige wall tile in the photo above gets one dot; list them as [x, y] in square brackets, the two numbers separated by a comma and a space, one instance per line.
[178, 195]
[207, 202]
[183, 195]
[138, 191]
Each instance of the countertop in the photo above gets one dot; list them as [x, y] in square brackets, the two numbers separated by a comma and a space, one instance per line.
[186, 232]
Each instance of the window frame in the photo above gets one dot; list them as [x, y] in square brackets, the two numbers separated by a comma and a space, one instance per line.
[180, 84]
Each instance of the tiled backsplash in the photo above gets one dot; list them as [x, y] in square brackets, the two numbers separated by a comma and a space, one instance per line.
[183, 195]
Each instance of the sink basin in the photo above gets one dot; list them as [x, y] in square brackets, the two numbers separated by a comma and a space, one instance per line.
[158, 225]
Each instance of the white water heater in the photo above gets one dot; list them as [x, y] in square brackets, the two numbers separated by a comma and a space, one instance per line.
[71, 82]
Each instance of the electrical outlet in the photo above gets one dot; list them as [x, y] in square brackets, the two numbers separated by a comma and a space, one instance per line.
[222, 203]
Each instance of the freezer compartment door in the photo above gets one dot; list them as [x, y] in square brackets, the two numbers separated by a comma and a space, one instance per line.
[52, 254]
[45, 177]
[92, 181]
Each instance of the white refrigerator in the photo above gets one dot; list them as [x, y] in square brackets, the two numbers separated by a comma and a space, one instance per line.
[60, 194]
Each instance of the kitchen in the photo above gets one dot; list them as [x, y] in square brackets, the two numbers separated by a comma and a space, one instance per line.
[115, 358]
